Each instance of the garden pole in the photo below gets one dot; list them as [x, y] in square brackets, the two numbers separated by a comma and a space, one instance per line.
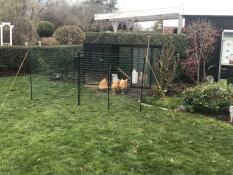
[79, 89]
[143, 72]
[30, 69]
[151, 62]
[131, 55]
[109, 77]
[75, 68]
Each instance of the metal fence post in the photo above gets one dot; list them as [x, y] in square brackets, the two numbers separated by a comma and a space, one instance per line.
[79, 83]
[109, 83]
[30, 71]
[132, 56]
[141, 93]
[77, 69]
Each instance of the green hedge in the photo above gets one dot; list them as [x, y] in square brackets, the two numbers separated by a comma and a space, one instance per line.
[179, 40]
[51, 57]
[41, 57]
[53, 60]
[11, 58]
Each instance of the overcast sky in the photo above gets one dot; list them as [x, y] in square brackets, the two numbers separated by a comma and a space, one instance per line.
[190, 6]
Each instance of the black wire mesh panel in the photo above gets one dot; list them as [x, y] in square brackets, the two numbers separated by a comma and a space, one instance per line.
[117, 75]
[114, 76]
[53, 73]
[11, 59]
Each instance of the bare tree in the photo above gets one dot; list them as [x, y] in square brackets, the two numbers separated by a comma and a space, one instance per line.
[202, 36]
[77, 13]
[24, 15]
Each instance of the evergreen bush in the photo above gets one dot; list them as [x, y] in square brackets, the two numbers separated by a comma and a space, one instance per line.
[45, 29]
[209, 98]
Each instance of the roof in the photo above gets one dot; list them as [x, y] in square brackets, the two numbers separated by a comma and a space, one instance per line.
[157, 14]
[207, 15]
[140, 16]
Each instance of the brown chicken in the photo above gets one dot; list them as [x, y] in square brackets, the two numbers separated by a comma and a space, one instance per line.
[123, 85]
[103, 85]
[115, 86]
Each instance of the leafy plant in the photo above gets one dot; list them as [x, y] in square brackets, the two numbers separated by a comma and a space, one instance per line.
[165, 67]
[189, 66]
[209, 98]
[45, 29]
[69, 35]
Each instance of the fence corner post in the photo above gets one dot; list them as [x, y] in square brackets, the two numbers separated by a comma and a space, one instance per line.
[77, 69]
[30, 72]
[109, 83]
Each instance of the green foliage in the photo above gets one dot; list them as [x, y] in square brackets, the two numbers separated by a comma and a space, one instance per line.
[165, 66]
[69, 35]
[45, 29]
[158, 101]
[11, 58]
[209, 98]
[52, 61]
[49, 59]
[179, 41]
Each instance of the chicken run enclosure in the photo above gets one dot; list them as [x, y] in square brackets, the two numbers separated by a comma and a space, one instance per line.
[107, 70]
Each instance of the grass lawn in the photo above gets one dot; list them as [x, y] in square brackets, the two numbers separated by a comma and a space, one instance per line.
[51, 135]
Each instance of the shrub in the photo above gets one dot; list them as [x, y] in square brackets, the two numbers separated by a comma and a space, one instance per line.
[69, 35]
[43, 59]
[11, 58]
[45, 29]
[179, 41]
[165, 66]
[53, 60]
[209, 98]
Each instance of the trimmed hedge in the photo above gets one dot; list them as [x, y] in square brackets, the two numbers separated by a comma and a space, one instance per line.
[12, 57]
[45, 28]
[52, 61]
[179, 40]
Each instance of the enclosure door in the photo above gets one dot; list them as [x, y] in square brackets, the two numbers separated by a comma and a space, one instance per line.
[134, 59]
